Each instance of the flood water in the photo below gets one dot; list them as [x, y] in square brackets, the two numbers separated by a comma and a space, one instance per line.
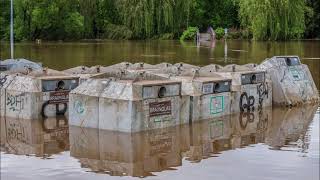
[276, 144]
[273, 144]
[61, 56]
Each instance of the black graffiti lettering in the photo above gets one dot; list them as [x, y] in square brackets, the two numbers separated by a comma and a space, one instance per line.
[15, 102]
[263, 92]
[246, 102]
[58, 111]
[3, 80]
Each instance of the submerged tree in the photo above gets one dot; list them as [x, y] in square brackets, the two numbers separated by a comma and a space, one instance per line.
[273, 19]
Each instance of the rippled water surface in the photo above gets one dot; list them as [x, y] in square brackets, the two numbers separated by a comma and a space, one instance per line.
[275, 144]
[61, 56]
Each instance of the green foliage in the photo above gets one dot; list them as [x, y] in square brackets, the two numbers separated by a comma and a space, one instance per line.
[273, 20]
[312, 19]
[166, 36]
[219, 33]
[218, 13]
[189, 34]
[113, 31]
[73, 25]
[164, 19]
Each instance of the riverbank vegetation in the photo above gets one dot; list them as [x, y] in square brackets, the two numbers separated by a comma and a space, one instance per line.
[160, 19]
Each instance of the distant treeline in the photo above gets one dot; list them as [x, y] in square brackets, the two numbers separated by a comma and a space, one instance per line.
[159, 19]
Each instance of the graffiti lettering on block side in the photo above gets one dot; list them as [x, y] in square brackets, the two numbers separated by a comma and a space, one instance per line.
[246, 102]
[59, 99]
[15, 102]
[78, 107]
[216, 104]
[3, 80]
[263, 92]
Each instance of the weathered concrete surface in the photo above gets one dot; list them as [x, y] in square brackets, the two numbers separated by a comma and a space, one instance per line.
[251, 88]
[138, 94]
[18, 65]
[84, 103]
[32, 94]
[209, 93]
[291, 81]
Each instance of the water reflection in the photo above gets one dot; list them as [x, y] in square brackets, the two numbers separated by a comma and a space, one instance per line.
[40, 138]
[141, 154]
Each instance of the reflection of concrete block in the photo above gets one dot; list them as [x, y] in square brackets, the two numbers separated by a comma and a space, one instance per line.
[291, 81]
[34, 137]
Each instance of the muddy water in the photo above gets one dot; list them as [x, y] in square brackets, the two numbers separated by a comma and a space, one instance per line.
[275, 144]
[66, 55]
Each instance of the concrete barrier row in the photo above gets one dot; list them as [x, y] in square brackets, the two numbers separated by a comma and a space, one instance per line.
[134, 97]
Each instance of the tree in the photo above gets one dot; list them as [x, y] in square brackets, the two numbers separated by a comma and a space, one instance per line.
[273, 19]
[313, 19]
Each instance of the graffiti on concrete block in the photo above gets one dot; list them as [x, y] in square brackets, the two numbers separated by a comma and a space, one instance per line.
[78, 107]
[263, 92]
[3, 80]
[160, 108]
[59, 99]
[15, 102]
[246, 102]
[60, 109]
[216, 104]
[297, 74]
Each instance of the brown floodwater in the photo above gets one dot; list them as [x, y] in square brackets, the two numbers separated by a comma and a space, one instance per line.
[275, 144]
[61, 55]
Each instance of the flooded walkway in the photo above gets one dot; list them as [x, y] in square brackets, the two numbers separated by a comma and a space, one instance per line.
[272, 144]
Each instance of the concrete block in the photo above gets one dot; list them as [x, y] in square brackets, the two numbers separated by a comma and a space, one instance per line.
[149, 101]
[209, 93]
[32, 94]
[292, 82]
[251, 88]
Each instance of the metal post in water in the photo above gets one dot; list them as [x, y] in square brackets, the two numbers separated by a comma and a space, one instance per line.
[11, 28]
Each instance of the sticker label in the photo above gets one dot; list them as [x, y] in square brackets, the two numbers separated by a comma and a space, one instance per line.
[160, 108]
[207, 88]
[216, 104]
[59, 97]
[296, 73]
